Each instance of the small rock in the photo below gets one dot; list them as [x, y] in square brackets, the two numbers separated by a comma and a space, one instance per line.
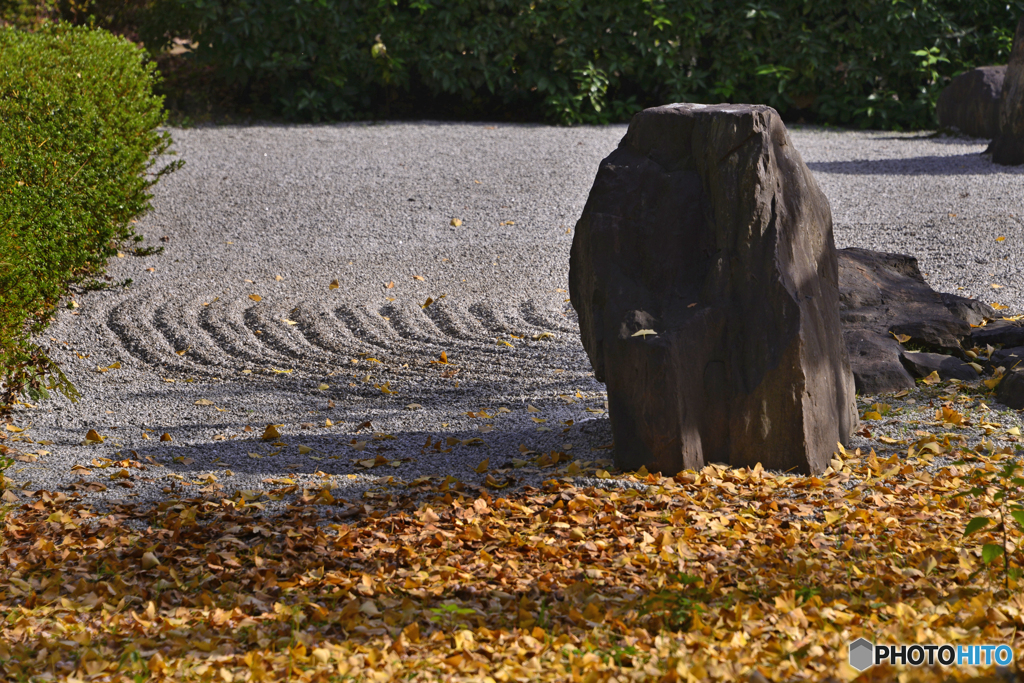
[875, 361]
[1010, 391]
[971, 311]
[1007, 358]
[923, 364]
[1009, 333]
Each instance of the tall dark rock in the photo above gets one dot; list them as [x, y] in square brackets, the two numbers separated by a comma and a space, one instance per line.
[1008, 147]
[704, 273]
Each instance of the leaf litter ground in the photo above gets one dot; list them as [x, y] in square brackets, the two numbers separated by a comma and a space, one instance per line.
[714, 575]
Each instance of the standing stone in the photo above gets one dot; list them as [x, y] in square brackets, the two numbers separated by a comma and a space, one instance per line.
[1008, 148]
[704, 274]
[970, 103]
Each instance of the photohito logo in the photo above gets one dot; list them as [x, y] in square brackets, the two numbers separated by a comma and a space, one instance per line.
[864, 654]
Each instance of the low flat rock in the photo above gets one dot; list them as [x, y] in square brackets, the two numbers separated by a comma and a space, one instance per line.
[921, 364]
[883, 295]
[1007, 333]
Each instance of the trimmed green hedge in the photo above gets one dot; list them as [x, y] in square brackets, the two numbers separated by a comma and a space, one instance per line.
[78, 135]
[869, 63]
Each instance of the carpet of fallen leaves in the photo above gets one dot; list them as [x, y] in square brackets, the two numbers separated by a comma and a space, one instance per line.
[717, 575]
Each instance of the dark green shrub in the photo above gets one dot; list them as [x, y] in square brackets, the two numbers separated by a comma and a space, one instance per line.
[871, 63]
[77, 139]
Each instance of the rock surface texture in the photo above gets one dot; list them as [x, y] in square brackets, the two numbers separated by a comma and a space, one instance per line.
[1008, 147]
[884, 295]
[970, 103]
[1010, 391]
[704, 274]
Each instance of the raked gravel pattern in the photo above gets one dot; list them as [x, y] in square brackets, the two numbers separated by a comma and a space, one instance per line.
[236, 326]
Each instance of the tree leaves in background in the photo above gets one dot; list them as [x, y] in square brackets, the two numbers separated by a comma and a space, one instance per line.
[860, 63]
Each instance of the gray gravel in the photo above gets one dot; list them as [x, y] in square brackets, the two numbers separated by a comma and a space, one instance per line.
[282, 211]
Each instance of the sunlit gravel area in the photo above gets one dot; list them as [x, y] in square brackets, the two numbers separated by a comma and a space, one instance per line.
[392, 298]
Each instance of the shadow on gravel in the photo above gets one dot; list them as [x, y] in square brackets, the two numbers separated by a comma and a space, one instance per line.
[515, 455]
[959, 164]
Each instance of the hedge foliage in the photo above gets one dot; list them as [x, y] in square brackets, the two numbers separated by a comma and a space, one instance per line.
[869, 63]
[78, 135]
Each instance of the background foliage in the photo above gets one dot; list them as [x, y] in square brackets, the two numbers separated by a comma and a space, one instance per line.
[79, 132]
[866, 63]
[869, 63]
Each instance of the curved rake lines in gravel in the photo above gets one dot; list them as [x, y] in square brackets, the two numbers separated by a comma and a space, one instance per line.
[188, 337]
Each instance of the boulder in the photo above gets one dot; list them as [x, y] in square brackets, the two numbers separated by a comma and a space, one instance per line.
[883, 295]
[970, 103]
[704, 274]
[921, 364]
[875, 362]
[1008, 147]
[1010, 391]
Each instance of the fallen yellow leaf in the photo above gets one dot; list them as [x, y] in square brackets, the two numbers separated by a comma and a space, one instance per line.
[256, 297]
[271, 433]
[334, 285]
